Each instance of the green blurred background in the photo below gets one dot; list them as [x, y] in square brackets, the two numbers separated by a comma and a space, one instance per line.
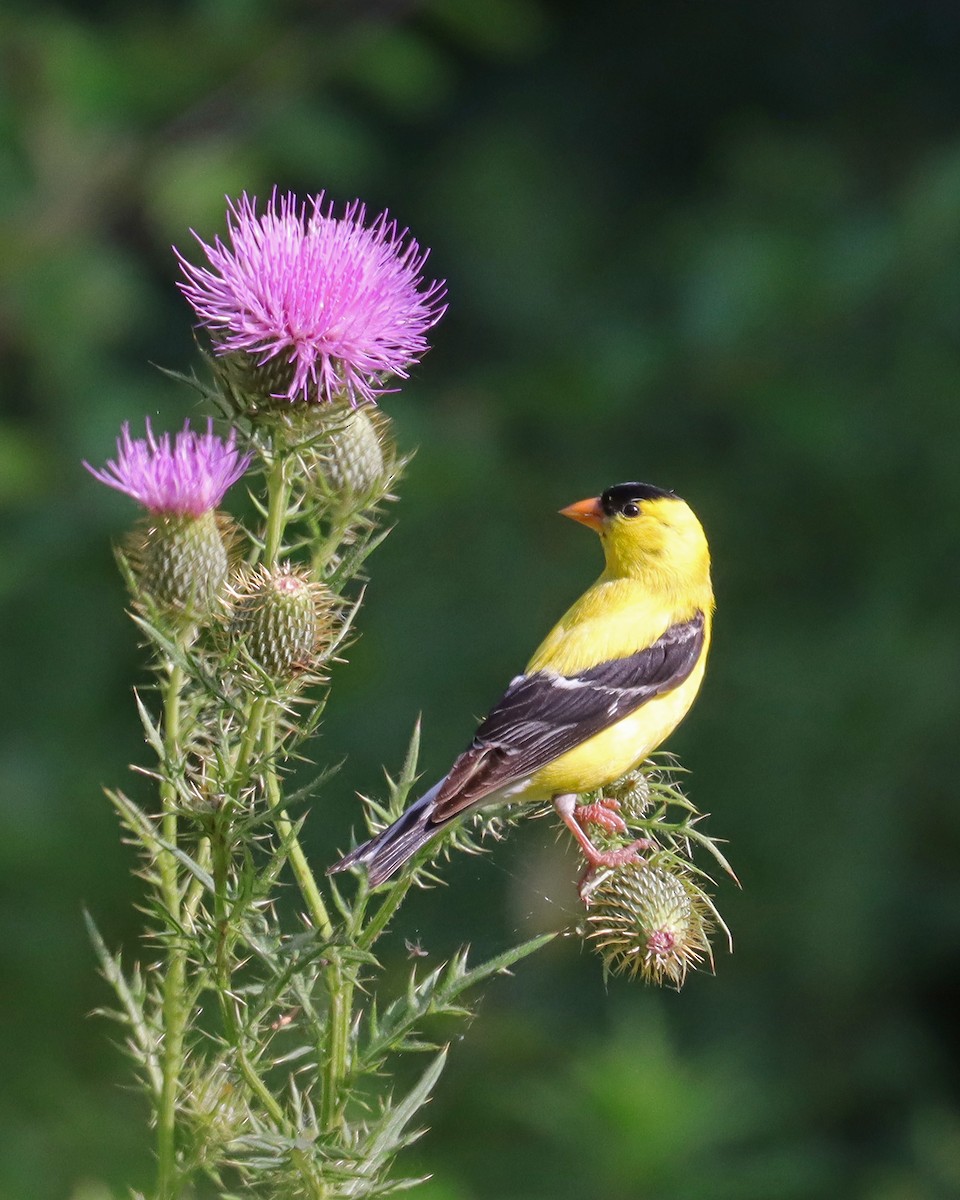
[712, 246]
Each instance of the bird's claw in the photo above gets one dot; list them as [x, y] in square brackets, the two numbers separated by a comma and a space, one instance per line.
[603, 813]
[602, 861]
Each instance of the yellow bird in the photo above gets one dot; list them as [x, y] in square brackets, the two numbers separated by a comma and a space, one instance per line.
[613, 679]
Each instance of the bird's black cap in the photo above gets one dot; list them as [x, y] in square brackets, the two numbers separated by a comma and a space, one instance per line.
[614, 498]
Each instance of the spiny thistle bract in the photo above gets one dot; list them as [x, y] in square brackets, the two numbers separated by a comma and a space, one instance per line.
[654, 917]
[249, 388]
[181, 562]
[345, 455]
[283, 619]
[633, 794]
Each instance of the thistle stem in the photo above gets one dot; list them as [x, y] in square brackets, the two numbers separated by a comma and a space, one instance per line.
[224, 942]
[174, 984]
[195, 890]
[264, 720]
[262, 728]
[316, 909]
[339, 982]
[381, 919]
[339, 528]
[260, 1089]
[278, 495]
[340, 985]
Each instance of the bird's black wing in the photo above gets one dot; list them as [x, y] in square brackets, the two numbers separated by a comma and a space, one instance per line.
[543, 715]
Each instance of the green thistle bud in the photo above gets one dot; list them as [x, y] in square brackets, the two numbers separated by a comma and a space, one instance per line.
[180, 562]
[346, 454]
[284, 619]
[632, 792]
[354, 461]
[648, 921]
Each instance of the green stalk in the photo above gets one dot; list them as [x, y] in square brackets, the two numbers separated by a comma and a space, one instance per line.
[260, 1089]
[195, 890]
[382, 917]
[316, 909]
[278, 494]
[263, 724]
[340, 987]
[264, 721]
[251, 735]
[339, 982]
[221, 916]
[174, 985]
[339, 528]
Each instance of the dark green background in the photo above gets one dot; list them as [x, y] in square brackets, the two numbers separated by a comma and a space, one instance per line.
[713, 246]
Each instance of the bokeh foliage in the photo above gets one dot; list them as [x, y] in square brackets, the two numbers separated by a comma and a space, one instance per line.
[712, 246]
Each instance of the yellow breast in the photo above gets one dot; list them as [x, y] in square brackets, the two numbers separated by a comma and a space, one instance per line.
[608, 755]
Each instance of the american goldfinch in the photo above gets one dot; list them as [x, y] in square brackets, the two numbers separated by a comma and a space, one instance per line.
[613, 678]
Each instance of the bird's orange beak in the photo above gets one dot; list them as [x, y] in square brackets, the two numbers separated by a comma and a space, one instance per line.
[587, 512]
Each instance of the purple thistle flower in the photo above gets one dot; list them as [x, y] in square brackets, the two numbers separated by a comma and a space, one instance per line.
[343, 305]
[188, 477]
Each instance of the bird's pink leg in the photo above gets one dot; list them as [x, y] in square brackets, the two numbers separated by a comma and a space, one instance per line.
[603, 814]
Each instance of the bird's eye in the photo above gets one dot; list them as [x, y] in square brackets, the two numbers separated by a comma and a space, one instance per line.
[631, 510]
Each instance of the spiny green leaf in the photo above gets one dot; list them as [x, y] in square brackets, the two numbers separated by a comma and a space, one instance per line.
[131, 998]
[389, 1134]
[203, 877]
[408, 773]
[150, 729]
[437, 994]
[134, 818]
[349, 565]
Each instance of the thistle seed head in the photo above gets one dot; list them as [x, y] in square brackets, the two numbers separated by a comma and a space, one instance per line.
[649, 921]
[633, 795]
[284, 619]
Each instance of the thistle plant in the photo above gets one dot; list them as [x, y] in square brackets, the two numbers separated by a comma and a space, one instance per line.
[262, 1033]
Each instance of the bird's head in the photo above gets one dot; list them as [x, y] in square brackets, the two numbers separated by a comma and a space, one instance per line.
[646, 532]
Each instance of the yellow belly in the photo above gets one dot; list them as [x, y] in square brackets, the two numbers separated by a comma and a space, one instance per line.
[608, 755]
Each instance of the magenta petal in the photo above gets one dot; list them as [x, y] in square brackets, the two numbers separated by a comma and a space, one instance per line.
[190, 475]
[343, 303]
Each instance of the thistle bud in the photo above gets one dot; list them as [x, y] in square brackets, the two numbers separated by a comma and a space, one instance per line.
[213, 1107]
[632, 793]
[284, 619]
[648, 921]
[354, 460]
[180, 563]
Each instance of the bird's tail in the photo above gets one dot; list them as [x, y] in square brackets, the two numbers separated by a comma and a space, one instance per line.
[386, 853]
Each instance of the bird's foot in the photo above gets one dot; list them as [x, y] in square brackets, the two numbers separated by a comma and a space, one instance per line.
[618, 857]
[604, 813]
[604, 861]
